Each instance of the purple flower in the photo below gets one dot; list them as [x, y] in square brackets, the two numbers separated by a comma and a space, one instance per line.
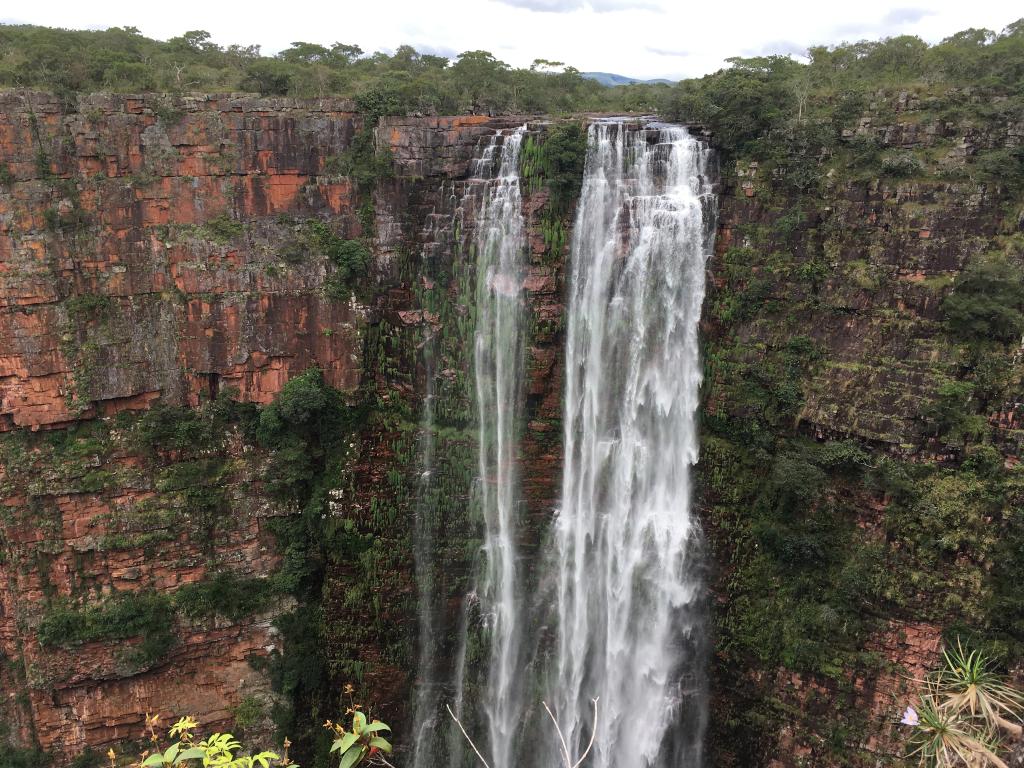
[910, 717]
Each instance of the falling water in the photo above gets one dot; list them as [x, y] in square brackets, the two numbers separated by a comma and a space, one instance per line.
[430, 613]
[428, 519]
[498, 367]
[625, 543]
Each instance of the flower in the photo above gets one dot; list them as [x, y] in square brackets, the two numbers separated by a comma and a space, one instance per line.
[910, 717]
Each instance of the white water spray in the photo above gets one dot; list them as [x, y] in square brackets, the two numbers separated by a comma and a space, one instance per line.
[628, 592]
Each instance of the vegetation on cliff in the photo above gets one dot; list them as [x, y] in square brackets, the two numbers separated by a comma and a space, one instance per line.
[859, 455]
[967, 713]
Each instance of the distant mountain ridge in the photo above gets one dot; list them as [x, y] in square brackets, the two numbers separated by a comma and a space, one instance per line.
[609, 79]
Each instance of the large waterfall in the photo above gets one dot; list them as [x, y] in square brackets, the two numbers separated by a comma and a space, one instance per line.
[616, 610]
[625, 560]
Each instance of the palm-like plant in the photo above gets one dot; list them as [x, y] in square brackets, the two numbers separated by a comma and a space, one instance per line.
[944, 738]
[971, 687]
[965, 709]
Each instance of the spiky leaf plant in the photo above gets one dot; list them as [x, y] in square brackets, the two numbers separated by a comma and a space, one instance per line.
[969, 686]
[944, 738]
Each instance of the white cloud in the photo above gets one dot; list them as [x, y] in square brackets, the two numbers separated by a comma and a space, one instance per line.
[638, 38]
[568, 6]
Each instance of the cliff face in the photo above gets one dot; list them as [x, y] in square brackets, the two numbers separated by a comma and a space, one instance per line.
[150, 252]
[157, 253]
[151, 249]
[855, 525]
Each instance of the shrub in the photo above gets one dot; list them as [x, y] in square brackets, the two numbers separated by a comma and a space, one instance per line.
[225, 594]
[248, 712]
[1002, 166]
[305, 417]
[88, 306]
[16, 757]
[987, 303]
[148, 615]
[952, 415]
[901, 165]
[558, 160]
[864, 150]
[223, 229]
[350, 257]
[268, 77]
[377, 102]
[363, 161]
[186, 430]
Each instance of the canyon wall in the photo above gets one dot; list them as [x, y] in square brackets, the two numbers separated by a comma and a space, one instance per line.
[157, 253]
[162, 257]
[860, 449]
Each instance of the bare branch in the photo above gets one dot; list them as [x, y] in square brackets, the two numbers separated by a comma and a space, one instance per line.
[593, 735]
[561, 738]
[565, 748]
[566, 759]
[459, 723]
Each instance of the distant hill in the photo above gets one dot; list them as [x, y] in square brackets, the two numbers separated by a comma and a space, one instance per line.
[609, 79]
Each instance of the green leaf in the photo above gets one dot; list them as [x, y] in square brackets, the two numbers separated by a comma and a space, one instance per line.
[171, 753]
[358, 722]
[352, 757]
[156, 759]
[375, 726]
[345, 742]
[382, 744]
[193, 753]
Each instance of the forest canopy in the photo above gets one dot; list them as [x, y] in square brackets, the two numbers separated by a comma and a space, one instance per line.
[740, 103]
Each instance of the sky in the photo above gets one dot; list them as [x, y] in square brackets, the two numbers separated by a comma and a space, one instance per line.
[638, 38]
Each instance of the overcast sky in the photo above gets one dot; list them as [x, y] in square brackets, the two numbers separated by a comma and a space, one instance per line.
[640, 38]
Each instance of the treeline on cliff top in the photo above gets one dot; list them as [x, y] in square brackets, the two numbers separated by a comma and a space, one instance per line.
[739, 103]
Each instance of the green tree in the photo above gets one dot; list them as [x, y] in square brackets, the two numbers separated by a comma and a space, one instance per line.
[987, 303]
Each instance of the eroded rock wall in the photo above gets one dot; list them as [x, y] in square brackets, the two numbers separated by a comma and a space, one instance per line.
[838, 503]
[157, 252]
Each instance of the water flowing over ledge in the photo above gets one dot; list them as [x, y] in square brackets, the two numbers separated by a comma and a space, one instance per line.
[499, 370]
[613, 605]
[626, 544]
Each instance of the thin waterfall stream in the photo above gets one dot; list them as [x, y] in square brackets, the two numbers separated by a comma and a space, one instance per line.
[499, 245]
[499, 370]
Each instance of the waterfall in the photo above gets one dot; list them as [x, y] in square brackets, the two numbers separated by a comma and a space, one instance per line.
[430, 614]
[615, 605]
[625, 547]
[498, 370]
[491, 613]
